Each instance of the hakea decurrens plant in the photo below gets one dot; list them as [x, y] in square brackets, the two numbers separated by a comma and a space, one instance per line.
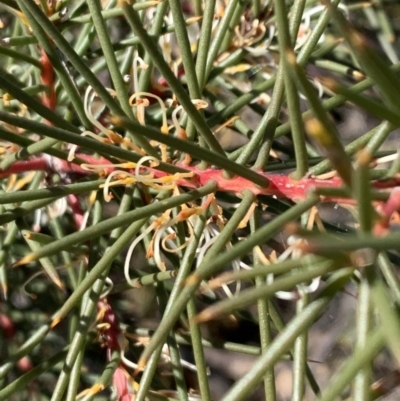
[160, 86]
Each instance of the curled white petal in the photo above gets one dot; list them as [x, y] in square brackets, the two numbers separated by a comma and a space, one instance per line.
[309, 289]
[175, 119]
[87, 103]
[71, 153]
[110, 286]
[130, 252]
[138, 95]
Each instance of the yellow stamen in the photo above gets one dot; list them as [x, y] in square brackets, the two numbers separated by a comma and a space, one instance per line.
[96, 388]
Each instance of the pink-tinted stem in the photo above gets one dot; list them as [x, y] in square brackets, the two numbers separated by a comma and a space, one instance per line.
[279, 185]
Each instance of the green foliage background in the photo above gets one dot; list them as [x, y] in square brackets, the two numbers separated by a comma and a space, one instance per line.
[249, 90]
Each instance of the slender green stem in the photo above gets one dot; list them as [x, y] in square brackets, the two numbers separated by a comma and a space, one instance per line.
[109, 55]
[16, 55]
[390, 275]
[277, 269]
[386, 34]
[77, 343]
[198, 351]
[204, 42]
[339, 68]
[235, 19]
[300, 355]
[135, 40]
[75, 376]
[18, 41]
[53, 192]
[106, 377]
[24, 210]
[74, 357]
[362, 381]
[30, 150]
[292, 96]
[147, 279]
[101, 268]
[156, 30]
[330, 244]
[382, 132]
[218, 38]
[387, 315]
[9, 239]
[31, 11]
[362, 192]
[185, 49]
[266, 127]
[46, 262]
[184, 99]
[85, 39]
[195, 333]
[213, 343]
[321, 128]
[264, 319]
[374, 108]
[187, 59]
[176, 361]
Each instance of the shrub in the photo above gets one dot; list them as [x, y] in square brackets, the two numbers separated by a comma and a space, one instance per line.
[191, 152]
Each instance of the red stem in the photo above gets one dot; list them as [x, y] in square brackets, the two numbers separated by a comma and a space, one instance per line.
[48, 78]
[280, 185]
[77, 212]
[33, 164]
